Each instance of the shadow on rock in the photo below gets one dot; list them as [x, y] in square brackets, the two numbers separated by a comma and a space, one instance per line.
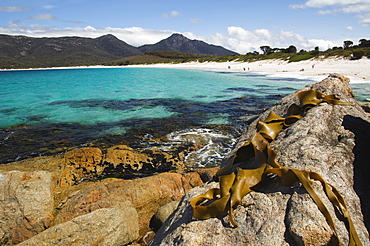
[361, 165]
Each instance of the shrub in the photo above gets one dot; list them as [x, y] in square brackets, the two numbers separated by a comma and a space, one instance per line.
[357, 54]
[298, 58]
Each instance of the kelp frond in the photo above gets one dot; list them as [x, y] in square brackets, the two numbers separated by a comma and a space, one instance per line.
[235, 183]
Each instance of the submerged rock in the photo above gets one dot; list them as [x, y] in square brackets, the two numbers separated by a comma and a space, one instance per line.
[330, 140]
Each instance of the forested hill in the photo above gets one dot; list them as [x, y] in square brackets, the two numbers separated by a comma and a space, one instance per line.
[29, 52]
[21, 51]
[179, 43]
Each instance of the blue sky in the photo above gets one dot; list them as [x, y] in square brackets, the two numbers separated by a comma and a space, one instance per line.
[239, 25]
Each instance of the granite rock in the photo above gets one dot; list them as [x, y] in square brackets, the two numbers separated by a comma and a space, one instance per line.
[26, 205]
[33, 201]
[107, 226]
[330, 140]
[146, 194]
[162, 214]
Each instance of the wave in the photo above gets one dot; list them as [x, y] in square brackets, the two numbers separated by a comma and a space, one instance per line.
[213, 146]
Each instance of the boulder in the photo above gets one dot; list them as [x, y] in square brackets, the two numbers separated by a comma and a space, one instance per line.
[82, 163]
[146, 194]
[127, 162]
[207, 174]
[107, 226]
[60, 199]
[330, 140]
[162, 214]
[119, 161]
[26, 205]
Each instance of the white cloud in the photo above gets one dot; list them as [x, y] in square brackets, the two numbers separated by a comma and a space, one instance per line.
[325, 12]
[325, 3]
[237, 38]
[349, 28]
[343, 6]
[73, 21]
[53, 18]
[173, 13]
[135, 36]
[356, 8]
[243, 41]
[42, 17]
[195, 21]
[297, 6]
[13, 9]
[49, 6]
[364, 19]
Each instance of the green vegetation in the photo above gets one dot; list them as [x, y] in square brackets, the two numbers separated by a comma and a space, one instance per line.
[302, 57]
[26, 52]
[290, 54]
[348, 50]
[157, 57]
[172, 55]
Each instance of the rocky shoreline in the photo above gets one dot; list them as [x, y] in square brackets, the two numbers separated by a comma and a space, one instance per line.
[330, 140]
[46, 195]
[74, 199]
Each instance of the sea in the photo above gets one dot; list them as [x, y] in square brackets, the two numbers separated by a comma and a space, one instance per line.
[51, 111]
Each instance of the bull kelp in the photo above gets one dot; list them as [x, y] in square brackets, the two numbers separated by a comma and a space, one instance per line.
[236, 182]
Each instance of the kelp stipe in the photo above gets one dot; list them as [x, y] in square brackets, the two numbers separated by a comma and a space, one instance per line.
[235, 183]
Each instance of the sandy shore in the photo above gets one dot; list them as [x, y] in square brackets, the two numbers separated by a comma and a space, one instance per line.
[317, 69]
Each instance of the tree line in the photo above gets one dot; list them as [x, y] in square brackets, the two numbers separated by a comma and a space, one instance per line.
[358, 51]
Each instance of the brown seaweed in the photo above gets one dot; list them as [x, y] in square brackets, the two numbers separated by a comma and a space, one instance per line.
[235, 183]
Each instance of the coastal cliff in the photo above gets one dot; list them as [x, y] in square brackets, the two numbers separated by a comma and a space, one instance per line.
[60, 200]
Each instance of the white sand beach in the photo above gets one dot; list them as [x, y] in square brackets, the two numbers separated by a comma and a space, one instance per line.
[317, 69]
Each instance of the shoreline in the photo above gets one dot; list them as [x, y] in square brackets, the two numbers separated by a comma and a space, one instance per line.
[315, 69]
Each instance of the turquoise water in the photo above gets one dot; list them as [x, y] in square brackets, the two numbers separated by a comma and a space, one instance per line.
[95, 95]
[58, 109]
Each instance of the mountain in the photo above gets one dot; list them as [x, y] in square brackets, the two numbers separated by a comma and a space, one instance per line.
[117, 47]
[179, 43]
[22, 51]
[28, 52]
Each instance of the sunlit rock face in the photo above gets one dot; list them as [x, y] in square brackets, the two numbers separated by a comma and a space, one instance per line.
[330, 140]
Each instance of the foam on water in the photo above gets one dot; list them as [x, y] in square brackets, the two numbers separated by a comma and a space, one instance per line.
[214, 145]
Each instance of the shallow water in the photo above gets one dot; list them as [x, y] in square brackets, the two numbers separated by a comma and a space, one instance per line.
[43, 112]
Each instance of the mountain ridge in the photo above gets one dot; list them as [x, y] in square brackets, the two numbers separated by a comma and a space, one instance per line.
[179, 43]
[31, 52]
